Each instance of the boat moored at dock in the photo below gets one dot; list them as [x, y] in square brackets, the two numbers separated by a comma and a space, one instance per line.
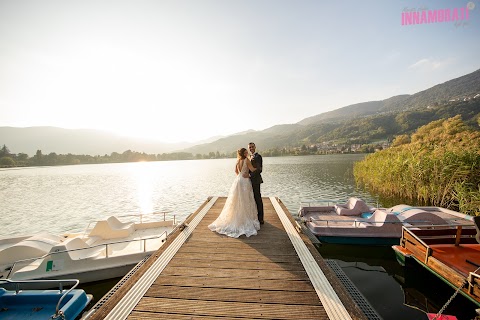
[358, 223]
[452, 253]
[17, 301]
[106, 249]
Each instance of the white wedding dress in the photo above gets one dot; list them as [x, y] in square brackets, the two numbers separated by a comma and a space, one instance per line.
[239, 215]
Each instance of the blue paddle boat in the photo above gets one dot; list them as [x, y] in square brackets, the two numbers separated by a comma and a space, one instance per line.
[17, 302]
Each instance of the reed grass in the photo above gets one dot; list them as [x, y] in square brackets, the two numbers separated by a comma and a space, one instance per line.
[439, 165]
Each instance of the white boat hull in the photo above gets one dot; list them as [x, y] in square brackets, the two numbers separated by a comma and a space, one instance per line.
[110, 250]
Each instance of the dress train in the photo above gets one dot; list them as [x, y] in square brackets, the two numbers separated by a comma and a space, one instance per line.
[239, 215]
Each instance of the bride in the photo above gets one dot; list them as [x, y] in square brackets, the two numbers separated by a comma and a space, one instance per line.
[239, 215]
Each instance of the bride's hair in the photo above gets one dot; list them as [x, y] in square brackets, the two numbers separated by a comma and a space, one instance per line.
[240, 153]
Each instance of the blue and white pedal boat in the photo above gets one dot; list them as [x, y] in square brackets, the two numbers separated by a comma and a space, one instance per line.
[355, 222]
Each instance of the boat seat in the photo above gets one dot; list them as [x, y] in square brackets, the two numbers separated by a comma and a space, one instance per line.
[112, 228]
[35, 246]
[91, 240]
[420, 217]
[380, 218]
[353, 207]
[77, 249]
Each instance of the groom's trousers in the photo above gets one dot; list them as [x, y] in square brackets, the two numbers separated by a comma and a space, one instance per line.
[258, 200]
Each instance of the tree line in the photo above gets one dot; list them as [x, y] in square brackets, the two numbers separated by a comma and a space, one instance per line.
[9, 159]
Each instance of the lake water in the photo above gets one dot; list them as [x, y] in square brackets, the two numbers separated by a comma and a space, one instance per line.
[67, 198]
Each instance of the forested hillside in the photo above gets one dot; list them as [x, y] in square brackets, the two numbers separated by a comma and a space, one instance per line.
[366, 125]
[362, 130]
[367, 122]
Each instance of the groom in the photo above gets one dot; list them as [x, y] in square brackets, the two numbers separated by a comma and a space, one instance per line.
[256, 179]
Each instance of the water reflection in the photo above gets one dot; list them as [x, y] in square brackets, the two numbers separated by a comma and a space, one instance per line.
[67, 198]
[295, 179]
[143, 181]
[395, 292]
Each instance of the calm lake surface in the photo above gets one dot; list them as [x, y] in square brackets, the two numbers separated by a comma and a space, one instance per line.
[67, 198]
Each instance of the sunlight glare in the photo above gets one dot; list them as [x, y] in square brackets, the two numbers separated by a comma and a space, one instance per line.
[144, 184]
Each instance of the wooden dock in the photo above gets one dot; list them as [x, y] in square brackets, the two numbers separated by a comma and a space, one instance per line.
[199, 274]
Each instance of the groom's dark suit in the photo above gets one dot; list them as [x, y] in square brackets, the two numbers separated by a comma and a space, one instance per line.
[256, 178]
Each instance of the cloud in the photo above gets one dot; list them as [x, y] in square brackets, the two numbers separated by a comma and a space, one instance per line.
[427, 64]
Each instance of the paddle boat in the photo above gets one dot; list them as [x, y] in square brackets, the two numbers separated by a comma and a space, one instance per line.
[107, 249]
[17, 302]
[355, 222]
[452, 253]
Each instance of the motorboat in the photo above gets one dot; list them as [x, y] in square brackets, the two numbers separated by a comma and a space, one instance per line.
[356, 222]
[452, 253]
[19, 302]
[107, 249]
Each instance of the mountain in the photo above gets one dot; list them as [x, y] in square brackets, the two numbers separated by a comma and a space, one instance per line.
[78, 141]
[367, 121]
[268, 138]
[363, 122]
[355, 110]
[456, 89]
[85, 141]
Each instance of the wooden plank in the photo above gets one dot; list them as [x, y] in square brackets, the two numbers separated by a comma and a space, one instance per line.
[457, 257]
[439, 232]
[231, 309]
[264, 284]
[237, 257]
[245, 251]
[221, 243]
[458, 235]
[234, 273]
[229, 264]
[236, 295]
[448, 273]
[474, 288]
[273, 232]
[416, 247]
[450, 240]
[419, 252]
[136, 315]
[259, 241]
[273, 238]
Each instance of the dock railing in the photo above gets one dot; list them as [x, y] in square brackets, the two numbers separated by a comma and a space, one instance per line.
[356, 222]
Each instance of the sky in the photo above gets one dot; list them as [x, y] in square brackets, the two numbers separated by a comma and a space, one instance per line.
[187, 70]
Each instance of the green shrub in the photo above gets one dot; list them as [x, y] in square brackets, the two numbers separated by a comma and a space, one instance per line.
[439, 166]
[7, 162]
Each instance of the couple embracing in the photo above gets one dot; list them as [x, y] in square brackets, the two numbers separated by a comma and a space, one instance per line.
[243, 210]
